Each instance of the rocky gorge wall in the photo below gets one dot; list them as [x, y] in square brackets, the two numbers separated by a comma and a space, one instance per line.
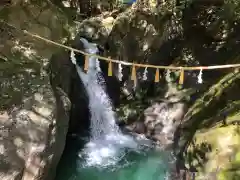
[33, 117]
[42, 100]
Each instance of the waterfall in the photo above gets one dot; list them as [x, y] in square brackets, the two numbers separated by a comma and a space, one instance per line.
[107, 143]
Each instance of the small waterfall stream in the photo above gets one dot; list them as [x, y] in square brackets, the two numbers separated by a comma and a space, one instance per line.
[106, 142]
[109, 154]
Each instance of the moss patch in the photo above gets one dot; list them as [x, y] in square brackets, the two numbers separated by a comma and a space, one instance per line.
[217, 149]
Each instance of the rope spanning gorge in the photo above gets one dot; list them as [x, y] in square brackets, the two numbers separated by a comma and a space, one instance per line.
[136, 65]
[132, 64]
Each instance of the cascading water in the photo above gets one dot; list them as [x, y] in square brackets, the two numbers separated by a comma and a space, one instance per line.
[108, 154]
[106, 142]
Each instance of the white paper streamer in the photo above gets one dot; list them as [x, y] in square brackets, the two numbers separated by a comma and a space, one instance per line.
[120, 75]
[73, 58]
[98, 65]
[145, 74]
[200, 81]
[168, 75]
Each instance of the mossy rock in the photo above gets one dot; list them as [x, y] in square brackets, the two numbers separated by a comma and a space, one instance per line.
[216, 149]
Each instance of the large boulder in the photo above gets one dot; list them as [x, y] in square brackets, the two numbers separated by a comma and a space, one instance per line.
[33, 136]
[33, 130]
[33, 115]
[162, 120]
[208, 137]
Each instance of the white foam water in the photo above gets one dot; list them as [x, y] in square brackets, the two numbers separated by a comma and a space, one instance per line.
[107, 143]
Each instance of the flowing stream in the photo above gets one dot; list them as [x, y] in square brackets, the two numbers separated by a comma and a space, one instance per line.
[108, 154]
